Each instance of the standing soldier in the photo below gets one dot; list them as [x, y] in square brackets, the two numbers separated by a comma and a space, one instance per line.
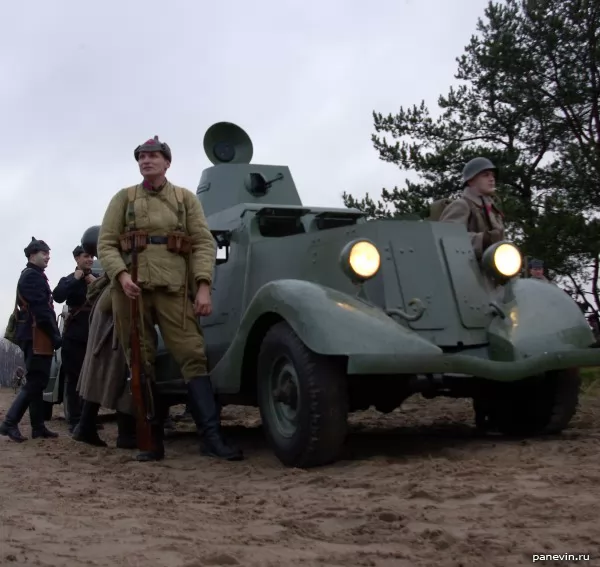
[38, 336]
[103, 376]
[73, 290]
[476, 208]
[177, 249]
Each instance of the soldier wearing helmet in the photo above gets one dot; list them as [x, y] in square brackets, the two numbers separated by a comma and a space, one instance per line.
[476, 208]
[37, 335]
[72, 289]
[176, 251]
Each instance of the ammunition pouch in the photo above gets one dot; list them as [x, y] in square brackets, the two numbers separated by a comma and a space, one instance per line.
[134, 239]
[179, 243]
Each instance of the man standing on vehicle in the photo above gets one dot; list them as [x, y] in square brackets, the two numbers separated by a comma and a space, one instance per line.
[73, 290]
[476, 208]
[178, 249]
[38, 336]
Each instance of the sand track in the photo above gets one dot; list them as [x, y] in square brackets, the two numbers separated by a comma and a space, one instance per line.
[415, 488]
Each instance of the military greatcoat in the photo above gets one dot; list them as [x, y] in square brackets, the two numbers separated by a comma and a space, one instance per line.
[103, 377]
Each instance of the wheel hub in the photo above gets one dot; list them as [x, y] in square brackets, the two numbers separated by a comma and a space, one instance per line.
[284, 397]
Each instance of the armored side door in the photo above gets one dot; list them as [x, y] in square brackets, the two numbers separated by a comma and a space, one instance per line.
[228, 290]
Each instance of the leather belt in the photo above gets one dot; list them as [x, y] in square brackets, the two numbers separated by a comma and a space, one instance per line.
[157, 240]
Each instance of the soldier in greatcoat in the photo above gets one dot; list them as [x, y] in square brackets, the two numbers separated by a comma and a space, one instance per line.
[177, 256]
[103, 377]
[476, 208]
[38, 337]
[72, 289]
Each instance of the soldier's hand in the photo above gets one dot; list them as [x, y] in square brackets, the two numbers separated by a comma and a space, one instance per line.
[131, 290]
[90, 278]
[203, 303]
[78, 274]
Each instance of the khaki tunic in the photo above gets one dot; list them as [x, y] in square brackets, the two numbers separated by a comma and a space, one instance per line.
[162, 275]
[469, 210]
[156, 212]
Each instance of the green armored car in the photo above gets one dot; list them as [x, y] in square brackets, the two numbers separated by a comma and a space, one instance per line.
[318, 312]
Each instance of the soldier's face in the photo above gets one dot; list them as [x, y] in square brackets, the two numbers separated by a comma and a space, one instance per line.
[40, 259]
[537, 272]
[85, 261]
[484, 183]
[152, 164]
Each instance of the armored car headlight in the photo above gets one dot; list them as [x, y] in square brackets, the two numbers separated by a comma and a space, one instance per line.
[360, 260]
[503, 260]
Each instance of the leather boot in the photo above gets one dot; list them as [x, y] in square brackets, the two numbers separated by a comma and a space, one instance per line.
[10, 426]
[86, 431]
[126, 431]
[36, 417]
[205, 411]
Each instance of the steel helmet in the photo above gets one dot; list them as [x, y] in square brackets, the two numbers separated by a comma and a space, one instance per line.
[475, 167]
[89, 240]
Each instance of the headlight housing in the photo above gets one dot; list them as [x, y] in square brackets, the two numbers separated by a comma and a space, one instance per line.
[360, 260]
[502, 260]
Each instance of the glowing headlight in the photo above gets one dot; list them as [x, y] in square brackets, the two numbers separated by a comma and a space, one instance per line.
[502, 260]
[361, 260]
[507, 260]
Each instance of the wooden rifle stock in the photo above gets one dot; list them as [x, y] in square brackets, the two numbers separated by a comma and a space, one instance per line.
[139, 381]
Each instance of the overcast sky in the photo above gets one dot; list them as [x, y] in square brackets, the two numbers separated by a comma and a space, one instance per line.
[84, 83]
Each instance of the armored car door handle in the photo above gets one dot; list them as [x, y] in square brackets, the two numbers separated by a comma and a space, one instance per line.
[416, 304]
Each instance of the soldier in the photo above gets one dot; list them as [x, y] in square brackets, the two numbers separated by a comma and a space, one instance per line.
[103, 376]
[38, 336]
[73, 290]
[536, 270]
[476, 208]
[178, 249]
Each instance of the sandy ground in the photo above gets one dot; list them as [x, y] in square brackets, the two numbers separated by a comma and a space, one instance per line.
[416, 488]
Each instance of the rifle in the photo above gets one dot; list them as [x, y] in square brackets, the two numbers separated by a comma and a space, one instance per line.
[140, 387]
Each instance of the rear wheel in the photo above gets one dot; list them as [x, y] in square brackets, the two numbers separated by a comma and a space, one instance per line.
[541, 405]
[303, 400]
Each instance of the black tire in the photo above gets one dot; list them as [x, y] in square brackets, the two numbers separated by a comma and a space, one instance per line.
[315, 435]
[541, 405]
[48, 409]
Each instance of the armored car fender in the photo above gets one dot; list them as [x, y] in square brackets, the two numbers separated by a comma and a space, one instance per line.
[327, 321]
[536, 318]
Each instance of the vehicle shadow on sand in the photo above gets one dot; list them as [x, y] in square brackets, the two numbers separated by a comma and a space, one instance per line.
[393, 443]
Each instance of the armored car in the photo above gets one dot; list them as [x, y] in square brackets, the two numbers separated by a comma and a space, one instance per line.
[318, 312]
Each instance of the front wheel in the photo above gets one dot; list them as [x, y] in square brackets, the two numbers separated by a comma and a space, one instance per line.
[540, 405]
[303, 400]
